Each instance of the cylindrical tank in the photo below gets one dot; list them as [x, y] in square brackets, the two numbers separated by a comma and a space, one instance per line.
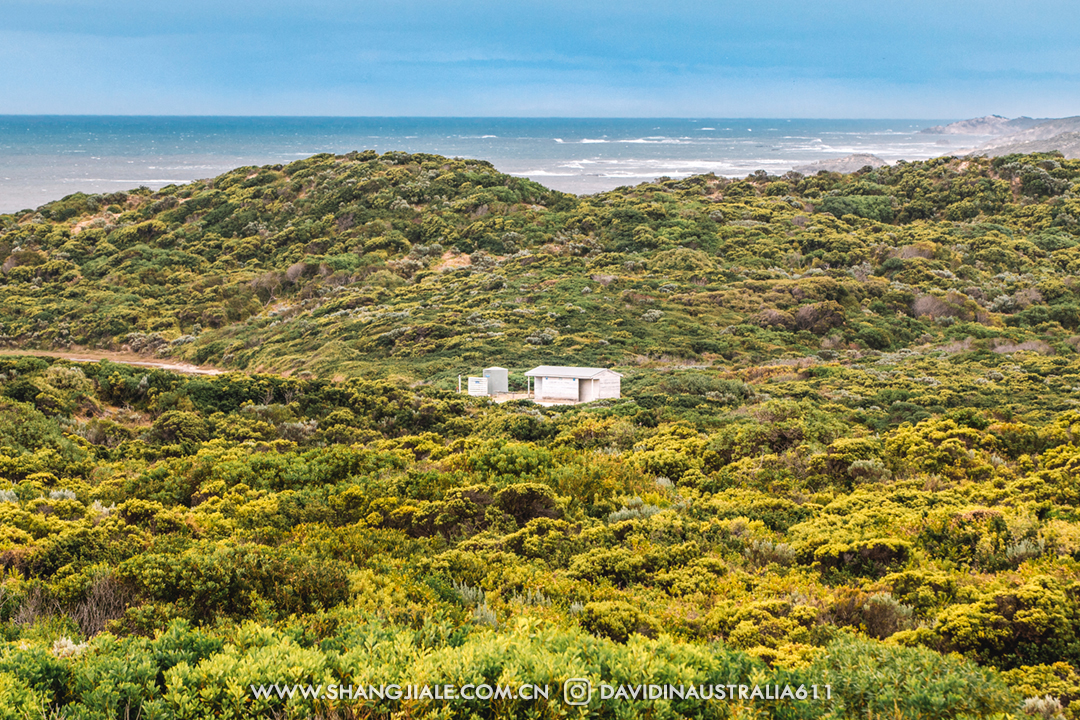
[498, 380]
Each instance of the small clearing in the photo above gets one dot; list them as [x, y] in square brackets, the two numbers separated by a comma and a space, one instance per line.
[90, 356]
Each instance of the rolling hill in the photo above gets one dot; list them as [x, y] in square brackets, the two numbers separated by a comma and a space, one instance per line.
[425, 267]
[842, 472]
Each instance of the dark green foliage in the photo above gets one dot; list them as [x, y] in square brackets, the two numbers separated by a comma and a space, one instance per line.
[864, 206]
[206, 581]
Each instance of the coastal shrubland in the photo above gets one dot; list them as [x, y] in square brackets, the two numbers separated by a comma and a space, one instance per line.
[423, 266]
[846, 452]
[248, 529]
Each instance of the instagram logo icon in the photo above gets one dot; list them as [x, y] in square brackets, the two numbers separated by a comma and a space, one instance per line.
[577, 691]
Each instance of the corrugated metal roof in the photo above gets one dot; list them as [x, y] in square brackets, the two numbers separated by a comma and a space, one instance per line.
[566, 371]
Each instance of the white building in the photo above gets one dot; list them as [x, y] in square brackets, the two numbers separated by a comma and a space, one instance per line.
[478, 386]
[574, 384]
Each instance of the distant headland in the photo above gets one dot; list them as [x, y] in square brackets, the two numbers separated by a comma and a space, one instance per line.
[1005, 136]
[1018, 135]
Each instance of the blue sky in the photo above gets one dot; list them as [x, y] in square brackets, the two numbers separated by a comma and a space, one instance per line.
[754, 58]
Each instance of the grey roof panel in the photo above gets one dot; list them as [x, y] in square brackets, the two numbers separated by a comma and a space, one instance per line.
[567, 371]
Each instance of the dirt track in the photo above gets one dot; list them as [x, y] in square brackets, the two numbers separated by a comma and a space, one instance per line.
[118, 357]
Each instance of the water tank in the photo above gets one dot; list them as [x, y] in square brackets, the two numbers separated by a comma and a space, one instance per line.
[497, 378]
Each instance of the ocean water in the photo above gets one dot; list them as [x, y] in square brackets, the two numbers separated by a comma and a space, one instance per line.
[44, 158]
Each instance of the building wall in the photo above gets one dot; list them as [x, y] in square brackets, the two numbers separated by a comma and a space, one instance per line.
[610, 385]
[606, 385]
[478, 386]
[556, 388]
[590, 390]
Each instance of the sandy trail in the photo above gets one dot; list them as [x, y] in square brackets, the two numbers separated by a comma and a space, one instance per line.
[117, 357]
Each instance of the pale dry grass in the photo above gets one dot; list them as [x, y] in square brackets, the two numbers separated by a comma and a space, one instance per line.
[451, 260]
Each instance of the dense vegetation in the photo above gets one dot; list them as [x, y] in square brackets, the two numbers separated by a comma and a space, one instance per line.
[423, 267]
[847, 452]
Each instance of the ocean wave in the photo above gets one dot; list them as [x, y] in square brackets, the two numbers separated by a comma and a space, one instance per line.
[653, 141]
[191, 167]
[120, 180]
[541, 173]
[628, 174]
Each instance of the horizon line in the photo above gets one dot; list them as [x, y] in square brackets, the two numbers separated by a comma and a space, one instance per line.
[476, 117]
